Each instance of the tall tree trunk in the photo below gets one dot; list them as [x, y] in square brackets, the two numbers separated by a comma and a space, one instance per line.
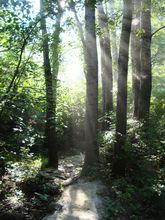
[146, 78]
[135, 56]
[80, 31]
[50, 138]
[121, 115]
[56, 52]
[114, 47]
[91, 148]
[106, 61]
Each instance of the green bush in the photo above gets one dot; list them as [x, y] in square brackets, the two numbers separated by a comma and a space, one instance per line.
[140, 194]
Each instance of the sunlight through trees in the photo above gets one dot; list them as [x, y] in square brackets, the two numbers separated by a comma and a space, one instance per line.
[82, 102]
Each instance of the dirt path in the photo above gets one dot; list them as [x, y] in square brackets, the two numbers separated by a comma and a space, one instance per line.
[82, 200]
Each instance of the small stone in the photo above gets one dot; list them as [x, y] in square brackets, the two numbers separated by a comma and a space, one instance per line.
[70, 165]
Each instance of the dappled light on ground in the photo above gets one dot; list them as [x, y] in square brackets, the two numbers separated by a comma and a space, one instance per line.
[81, 201]
[28, 190]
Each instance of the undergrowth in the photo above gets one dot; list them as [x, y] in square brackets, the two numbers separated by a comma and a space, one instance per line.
[140, 194]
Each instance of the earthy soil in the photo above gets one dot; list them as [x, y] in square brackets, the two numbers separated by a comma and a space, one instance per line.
[82, 200]
[51, 194]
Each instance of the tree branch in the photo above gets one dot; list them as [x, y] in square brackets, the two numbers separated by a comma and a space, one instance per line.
[16, 72]
[157, 31]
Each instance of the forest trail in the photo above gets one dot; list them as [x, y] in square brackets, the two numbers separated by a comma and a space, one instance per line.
[82, 200]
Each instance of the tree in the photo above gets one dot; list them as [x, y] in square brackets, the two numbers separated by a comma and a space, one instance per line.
[91, 148]
[56, 51]
[121, 114]
[146, 78]
[15, 36]
[80, 30]
[111, 6]
[135, 56]
[50, 136]
[106, 61]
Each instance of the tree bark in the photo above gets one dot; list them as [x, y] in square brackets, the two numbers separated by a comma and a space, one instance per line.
[146, 78]
[106, 61]
[113, 41]
[135, 56]
[56, 53]
[50, 138]
[80, 31]
[91, 60]
[121, 115]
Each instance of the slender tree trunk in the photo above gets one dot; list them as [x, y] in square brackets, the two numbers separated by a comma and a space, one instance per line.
[121, 115]
[91, 148]
[106, 61]
[50, 138]
[146, 78]
[56, 53]
[135, 55]
[113, 41]
[80, 31]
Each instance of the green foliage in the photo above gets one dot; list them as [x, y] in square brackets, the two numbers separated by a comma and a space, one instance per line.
[21, 122]
[133, 202]
[115, 21]
[70, 115]
[141, 193]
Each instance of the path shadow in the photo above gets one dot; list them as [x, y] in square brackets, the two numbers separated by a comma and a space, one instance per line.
[80, 202]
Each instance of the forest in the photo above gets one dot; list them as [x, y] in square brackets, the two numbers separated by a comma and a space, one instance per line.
[82, 109]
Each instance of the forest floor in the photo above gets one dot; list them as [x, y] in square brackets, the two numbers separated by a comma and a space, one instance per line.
[29, 192]
[82, 200]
